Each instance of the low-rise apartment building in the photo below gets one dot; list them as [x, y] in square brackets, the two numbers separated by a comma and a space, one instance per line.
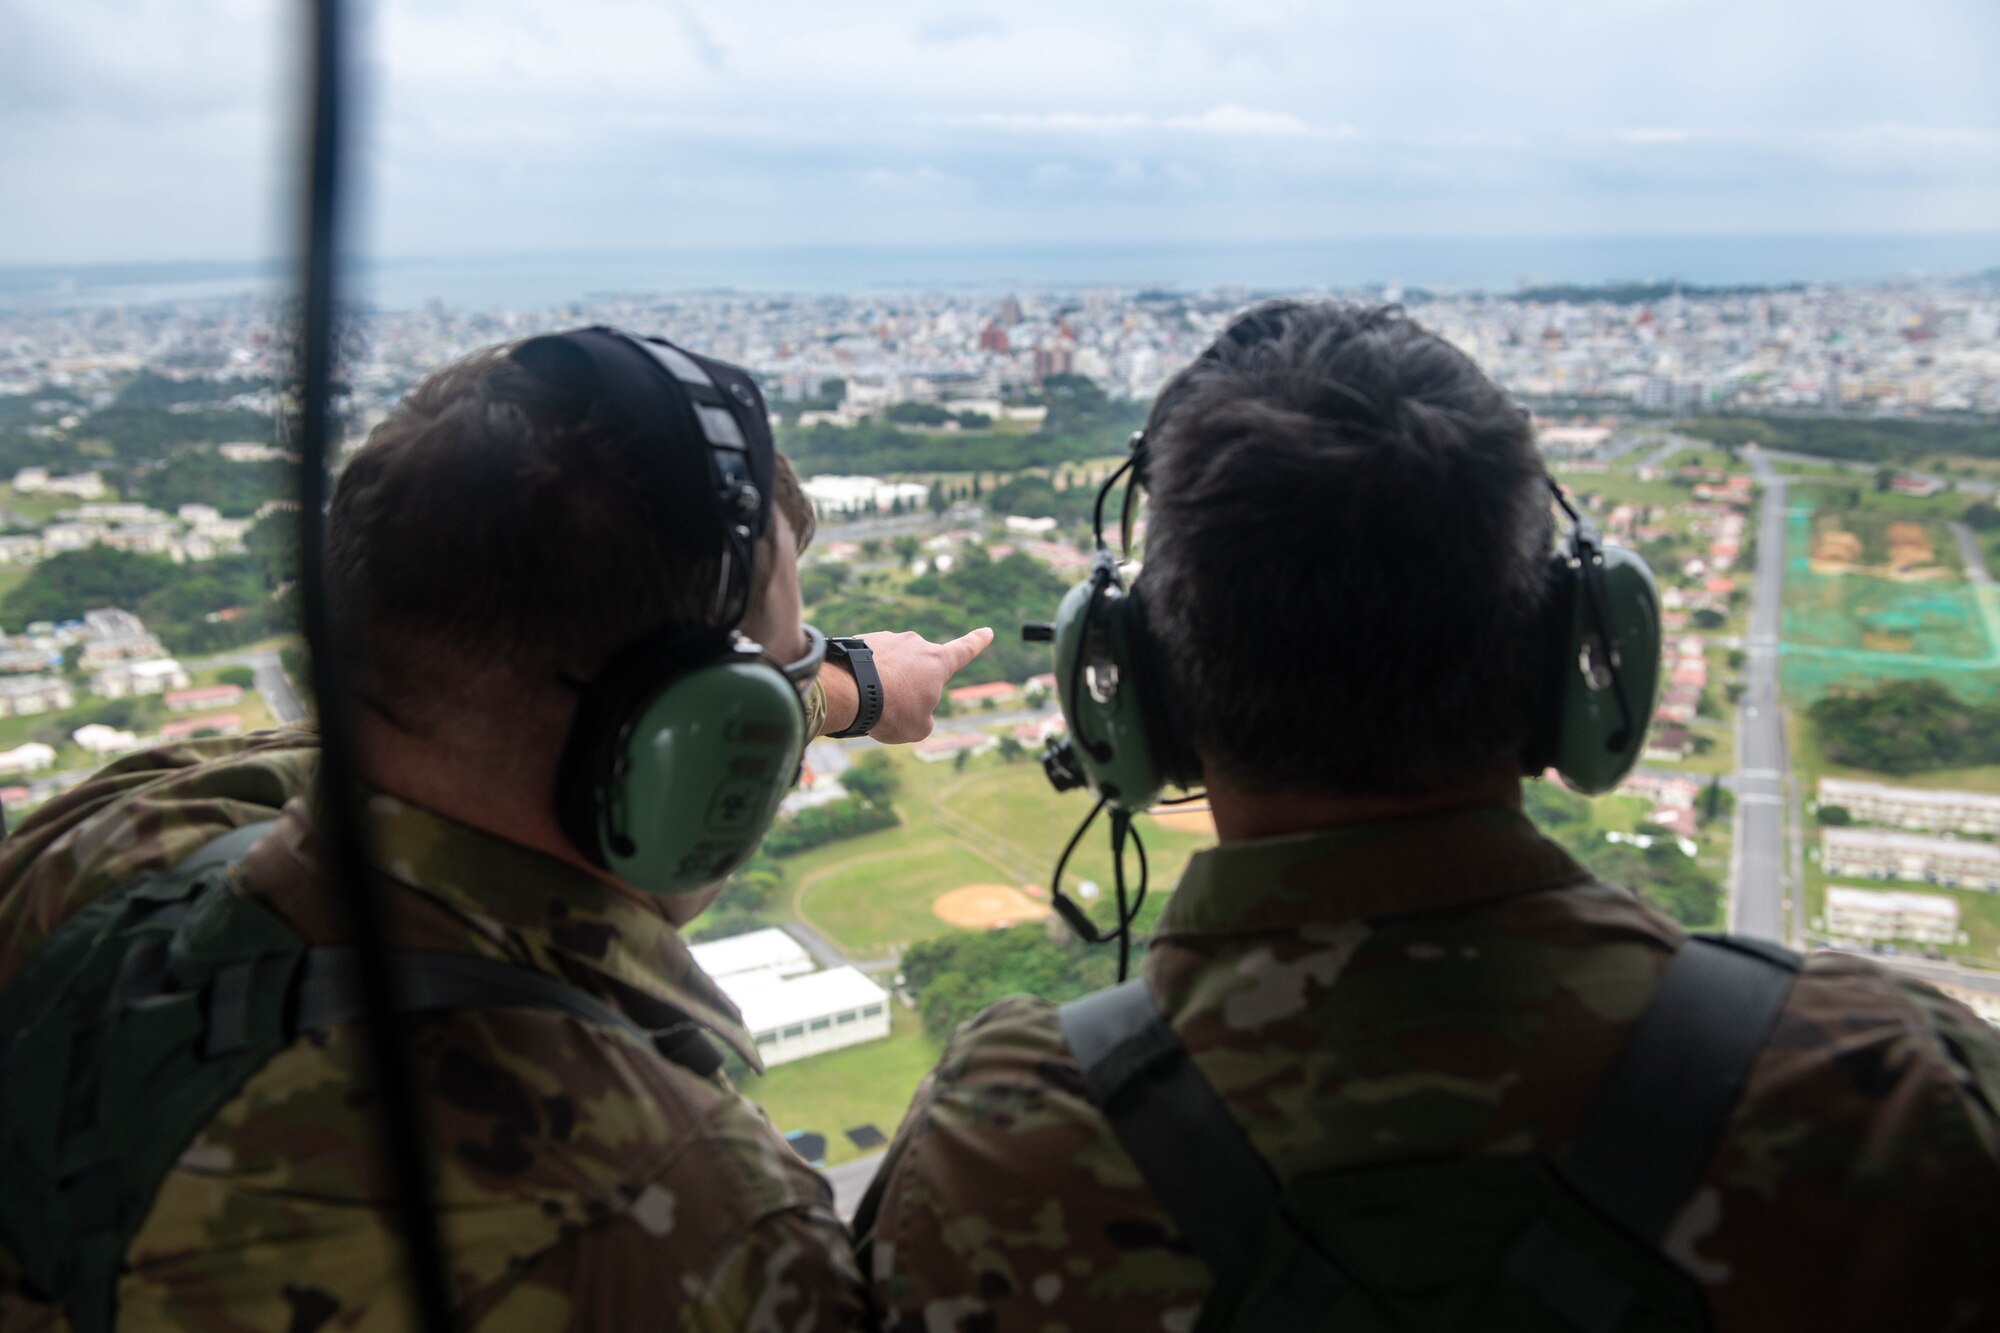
[1913, 808]
[1873, 914]
[1959, 863]
[22, 696]
[123, 680]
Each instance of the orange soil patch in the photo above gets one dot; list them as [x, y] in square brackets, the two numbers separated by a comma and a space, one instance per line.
[1908, 546]
[987, 906]
[1196, 820]
[1835, 546]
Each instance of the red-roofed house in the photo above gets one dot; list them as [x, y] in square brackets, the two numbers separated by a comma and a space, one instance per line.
[204, 696]
[945, 744]
[999, 691]
[226, 724]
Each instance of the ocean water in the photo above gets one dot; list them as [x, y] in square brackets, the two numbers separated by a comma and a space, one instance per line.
[1495, 265]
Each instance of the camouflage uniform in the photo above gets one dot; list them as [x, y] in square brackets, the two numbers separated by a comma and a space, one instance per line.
[1426, 988]
[584, 1182]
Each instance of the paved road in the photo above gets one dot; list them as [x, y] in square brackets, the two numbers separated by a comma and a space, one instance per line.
[1758, 889]
[272, 682]
[1968, 550]
[1935, 971]
[850, 1182]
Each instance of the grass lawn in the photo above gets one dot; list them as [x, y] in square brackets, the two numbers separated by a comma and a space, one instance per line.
[868, 1084]
[1811, 764]
[12, 577]
[880, 897]
[991, 823]
[44, 508]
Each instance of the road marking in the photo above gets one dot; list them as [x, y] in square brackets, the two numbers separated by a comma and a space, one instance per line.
[1758, 773]
[1757, 798]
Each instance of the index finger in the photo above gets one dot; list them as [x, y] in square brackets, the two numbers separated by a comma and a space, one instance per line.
[958, 654]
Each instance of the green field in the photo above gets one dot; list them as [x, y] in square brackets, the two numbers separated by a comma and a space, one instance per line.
[868, 1084]
[993, 823]
[1855, 630]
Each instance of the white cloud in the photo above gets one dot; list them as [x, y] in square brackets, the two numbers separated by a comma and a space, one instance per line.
[158, 129]
[1229, 118]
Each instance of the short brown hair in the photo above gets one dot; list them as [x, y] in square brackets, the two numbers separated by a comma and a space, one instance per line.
[1347, 547]
[492, 524]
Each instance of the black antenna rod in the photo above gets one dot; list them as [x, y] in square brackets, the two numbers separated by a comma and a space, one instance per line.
[338, 816]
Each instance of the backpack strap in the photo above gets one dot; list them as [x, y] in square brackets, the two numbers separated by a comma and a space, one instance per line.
[1198, 1162]
[1649, 1135]
[1677, 1078]
[326, 995]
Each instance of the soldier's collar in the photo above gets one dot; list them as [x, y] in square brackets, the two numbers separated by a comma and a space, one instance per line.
[1362, 872]
[558, 912]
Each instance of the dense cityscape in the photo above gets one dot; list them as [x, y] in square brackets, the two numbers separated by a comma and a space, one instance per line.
[1904, 347]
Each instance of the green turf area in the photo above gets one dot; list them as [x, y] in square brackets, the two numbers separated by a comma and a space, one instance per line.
[44, 508]
[1802, 739]
[868, 1084]
[879, 897]
[992, 823]
[1851, 630]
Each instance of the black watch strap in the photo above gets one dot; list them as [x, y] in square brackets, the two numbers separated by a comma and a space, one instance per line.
[859, 659]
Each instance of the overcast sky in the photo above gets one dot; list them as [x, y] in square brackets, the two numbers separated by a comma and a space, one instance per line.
[163, 129]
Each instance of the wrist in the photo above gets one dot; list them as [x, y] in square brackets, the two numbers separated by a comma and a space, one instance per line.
[843, 697]
[857, 661]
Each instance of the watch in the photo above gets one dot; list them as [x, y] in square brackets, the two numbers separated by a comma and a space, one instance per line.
[859, 659]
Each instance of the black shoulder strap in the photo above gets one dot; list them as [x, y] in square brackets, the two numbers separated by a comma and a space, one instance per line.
[1649, 1135]
[326, 996]
[1197, 1160]
[1675, 1081]
[1640, 1154]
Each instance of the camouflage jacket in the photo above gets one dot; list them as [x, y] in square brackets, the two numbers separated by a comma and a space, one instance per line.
[584, 1181]
[1441, 986]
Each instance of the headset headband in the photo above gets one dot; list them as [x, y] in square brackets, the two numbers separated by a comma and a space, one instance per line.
[669, 396]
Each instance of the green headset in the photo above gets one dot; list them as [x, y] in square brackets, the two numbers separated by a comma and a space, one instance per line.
[1600, 678]
[683, 744]
[1601, 671]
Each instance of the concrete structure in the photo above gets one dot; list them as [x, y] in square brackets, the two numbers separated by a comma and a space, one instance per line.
[32, 757]
[1913, 808]
[1880, 854]
[770, 953]
[23, 696]
[111, 635]
[123, 680]
[1871, 914]
[795, 1017]
[37, 481]
[840, 494]
[100, 739]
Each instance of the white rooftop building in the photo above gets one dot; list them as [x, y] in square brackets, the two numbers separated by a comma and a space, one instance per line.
[760, 952]
[794, 1017]
[843, 493]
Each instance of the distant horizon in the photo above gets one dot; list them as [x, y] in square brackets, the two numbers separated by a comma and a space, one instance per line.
[1492, 265]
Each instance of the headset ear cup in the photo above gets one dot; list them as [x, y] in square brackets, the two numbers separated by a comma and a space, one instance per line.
[1171, 746]
[1605, 710]
[676, 762]
[1558, 646]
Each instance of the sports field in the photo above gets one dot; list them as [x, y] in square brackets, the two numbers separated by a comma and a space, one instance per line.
[1872, 597]
[992, 825]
